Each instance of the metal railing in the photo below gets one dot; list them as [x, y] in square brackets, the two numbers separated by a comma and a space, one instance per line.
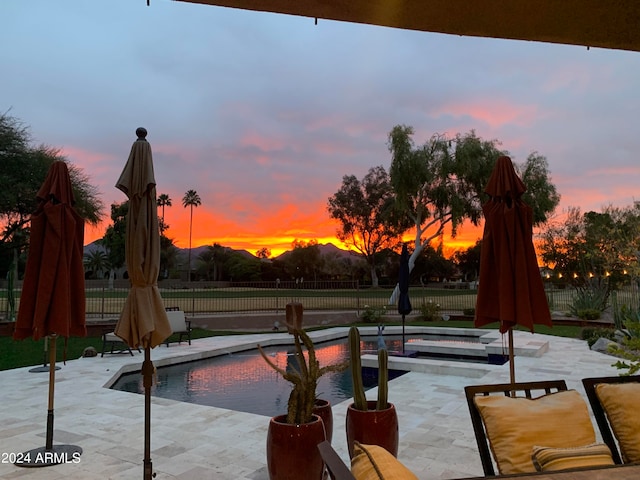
[106, 300]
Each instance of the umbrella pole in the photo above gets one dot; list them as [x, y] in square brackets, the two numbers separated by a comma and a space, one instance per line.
[512, 368]
[52, 382]
[45, 353]
[50, 455]
[403, 333]
[46, 350]
[147, 380]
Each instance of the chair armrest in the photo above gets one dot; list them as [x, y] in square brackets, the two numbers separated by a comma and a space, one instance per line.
[337, 469]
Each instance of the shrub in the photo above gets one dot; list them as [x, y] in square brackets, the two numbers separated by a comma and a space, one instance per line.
[429, 312]
[588, 303]
[373, 314]
[588, 314]
[629, 349]
[591, 335]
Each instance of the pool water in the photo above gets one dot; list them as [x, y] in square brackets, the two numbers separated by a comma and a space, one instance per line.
[244, 382]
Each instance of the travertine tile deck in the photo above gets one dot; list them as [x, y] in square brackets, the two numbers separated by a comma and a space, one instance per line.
[197, 442]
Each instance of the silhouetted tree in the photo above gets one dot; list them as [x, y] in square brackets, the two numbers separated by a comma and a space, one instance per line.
[163, 200]
[365, 210]
[441, 183]
[191, 199]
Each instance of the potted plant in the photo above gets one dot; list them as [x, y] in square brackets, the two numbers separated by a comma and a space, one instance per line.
[292, 439]
[371, 422]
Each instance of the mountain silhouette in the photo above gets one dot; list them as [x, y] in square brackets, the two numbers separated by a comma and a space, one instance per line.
[325, 249]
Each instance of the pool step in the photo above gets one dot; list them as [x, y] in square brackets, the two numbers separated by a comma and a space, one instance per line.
[438, 367]
[523, 347]
[441, 347]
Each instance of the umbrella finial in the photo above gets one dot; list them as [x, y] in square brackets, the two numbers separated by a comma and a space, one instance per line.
[141, 132]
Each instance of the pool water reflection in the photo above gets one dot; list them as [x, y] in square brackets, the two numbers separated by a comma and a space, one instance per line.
[244, 382]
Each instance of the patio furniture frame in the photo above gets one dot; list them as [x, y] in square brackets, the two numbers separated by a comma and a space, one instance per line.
[109, 338]
[180, 326]
[336, 467]
[599, 413]
[506, 389]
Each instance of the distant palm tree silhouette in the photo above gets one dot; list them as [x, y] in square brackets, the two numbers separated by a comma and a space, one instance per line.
[163, 201]
[191, 199]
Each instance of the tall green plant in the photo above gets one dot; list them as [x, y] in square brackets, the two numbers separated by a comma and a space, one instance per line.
[383, 379]
[359, 398]
[590, 301]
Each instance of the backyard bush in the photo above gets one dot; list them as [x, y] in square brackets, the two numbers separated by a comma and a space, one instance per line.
[373, 314]
[591, 335]
[629, 348]
[429, 312]
[589, 303]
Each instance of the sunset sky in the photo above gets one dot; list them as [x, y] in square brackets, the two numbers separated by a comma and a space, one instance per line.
[262, 114]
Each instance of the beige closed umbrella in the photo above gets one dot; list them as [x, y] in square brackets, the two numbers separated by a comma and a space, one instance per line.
[143, 321]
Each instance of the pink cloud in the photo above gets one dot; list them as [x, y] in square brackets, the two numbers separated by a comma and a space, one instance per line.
[262, 142]
[494, 112]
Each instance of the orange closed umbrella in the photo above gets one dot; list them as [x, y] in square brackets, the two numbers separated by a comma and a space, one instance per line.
[143, 320]
[52, 302]
[510, 289]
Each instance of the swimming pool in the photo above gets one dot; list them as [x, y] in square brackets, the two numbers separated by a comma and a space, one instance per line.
[244, 382]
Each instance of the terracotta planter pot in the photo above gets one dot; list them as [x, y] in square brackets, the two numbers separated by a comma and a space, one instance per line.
[292, 450]
[322, 408]
[373, 427]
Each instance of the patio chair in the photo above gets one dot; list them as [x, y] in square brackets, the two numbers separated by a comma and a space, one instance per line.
[335, 466]
[525, 390]
[180, 326]
[369, 461]
[110, 339]
[616, 410]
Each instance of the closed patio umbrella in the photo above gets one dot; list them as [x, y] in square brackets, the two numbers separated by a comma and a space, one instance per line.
[510, 290]
[143, 321]
[52, 302]
[404, 303]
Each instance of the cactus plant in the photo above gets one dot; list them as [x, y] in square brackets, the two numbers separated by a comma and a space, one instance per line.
[305, 377]
[359, 398]
[383, 379]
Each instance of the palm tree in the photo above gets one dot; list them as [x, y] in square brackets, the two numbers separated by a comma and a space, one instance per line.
[97, 262]
[163, 200]
[191, 199]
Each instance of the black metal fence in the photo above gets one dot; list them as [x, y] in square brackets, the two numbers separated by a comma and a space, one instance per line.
[106, 299]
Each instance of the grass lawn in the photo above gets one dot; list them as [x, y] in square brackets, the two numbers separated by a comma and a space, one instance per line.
[25, 353]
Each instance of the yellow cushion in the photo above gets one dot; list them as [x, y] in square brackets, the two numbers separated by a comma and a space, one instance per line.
[371, 462]
[620, 402]
[549, 459]
[515, 425]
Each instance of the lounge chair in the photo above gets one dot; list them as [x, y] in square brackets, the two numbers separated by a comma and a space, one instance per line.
[369, 461]
[335, 466]
[515, 452]
[111, 340]
[616, 411]
[180, 326]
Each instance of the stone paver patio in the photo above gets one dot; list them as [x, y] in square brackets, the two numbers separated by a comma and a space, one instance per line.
[197, 442]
